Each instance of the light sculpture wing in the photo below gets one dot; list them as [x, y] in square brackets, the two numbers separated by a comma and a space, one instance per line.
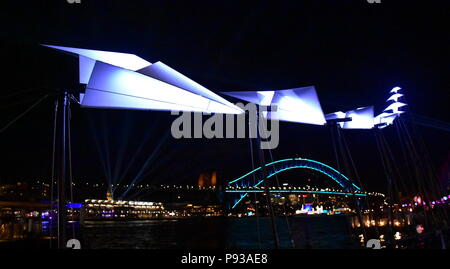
[362, 118]
[395, 97]
[294, 105]
[395, 89]
[391, 112]
[394, 107]
[384, 119]
[126, 81]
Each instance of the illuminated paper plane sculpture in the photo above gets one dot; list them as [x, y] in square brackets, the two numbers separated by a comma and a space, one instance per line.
[363, 118]
[126, 81]
[395, 97]
[360, 118]
[391, 112]
[294, 105]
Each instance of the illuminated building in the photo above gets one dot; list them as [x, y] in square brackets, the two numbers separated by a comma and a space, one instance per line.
[110, 209]
[206, 179]
[109, 195]
[191, 210]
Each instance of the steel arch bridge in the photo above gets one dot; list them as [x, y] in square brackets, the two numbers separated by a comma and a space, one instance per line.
[254, 178]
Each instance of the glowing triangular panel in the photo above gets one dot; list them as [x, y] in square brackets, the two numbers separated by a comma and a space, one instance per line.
[86, 66]
[395, 97]
[124, 60]
[384, 119]
[249, 96]
[295, 105]
[395, 106]
[298, 105]
[336, 116]
[395, 89]
[169, 75]
[362, 118]
[100, 99]
[114, 87]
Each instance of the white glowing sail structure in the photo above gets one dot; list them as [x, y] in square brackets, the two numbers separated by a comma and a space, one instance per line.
[294, 105]
[361, 118]
[126, 81]
[391, 112]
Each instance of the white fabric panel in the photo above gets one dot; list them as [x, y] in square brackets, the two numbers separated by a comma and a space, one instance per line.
[124, 60]
[395, 106]
[142, 92]
[295, 105]
[395, 97]
[362, 118]
[169, 75]
[86, 66]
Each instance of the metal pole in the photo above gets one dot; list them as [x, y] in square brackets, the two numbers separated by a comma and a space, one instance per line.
[61, 183]
[276, 241]
[52, 204]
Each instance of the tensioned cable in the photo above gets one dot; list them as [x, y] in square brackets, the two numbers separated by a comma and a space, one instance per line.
[427, 163]
[278, 186]
[70, 161]
[430, 122]
[390, 161]
[434, 188]
[255, 196]
[418, 165]
[388, 178]
[439, 217]
[347, 155]
[284, 206]
[22, 101]
[335, 148]
[405, 157]
[421, 188]
[352, 163]
[23, 113]
[427, 173]
[18, 92]
[52, 178]
[345, 161]
[394, 190]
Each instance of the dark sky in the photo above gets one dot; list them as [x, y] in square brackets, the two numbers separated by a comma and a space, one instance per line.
[352, 51]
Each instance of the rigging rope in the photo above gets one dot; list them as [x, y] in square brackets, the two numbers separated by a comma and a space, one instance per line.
[23, 113]
[388, 176]
[69, 118]
[278, 186]
[52, 178]
[342, 143]
[255, 196]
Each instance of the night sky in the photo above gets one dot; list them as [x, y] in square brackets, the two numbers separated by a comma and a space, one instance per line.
[352, 51]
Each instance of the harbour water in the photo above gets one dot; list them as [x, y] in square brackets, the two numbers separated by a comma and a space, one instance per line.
[244, 233]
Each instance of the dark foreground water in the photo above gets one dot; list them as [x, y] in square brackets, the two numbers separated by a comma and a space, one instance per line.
[317, 232]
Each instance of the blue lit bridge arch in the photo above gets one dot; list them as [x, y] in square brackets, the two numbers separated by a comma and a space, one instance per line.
[273, 168]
